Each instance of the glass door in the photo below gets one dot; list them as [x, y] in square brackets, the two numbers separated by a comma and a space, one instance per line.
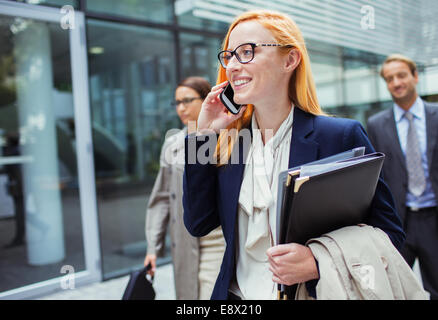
[48, 220]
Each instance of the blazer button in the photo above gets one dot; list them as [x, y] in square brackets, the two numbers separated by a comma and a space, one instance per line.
[173, 196]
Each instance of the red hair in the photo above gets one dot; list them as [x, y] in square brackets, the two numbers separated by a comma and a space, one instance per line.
[302, 91]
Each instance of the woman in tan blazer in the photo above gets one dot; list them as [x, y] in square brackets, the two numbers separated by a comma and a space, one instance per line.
[196, 261]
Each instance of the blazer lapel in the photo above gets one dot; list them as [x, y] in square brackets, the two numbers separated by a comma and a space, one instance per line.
[392, 136]
[232, 175]
[302, 149]
[431, 129]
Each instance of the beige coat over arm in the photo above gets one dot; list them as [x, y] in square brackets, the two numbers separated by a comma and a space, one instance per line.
[360, 263]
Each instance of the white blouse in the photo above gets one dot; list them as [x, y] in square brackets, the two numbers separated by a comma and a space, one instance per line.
[257, 212]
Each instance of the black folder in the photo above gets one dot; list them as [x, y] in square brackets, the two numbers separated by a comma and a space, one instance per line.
[317, 199]
[283, 176]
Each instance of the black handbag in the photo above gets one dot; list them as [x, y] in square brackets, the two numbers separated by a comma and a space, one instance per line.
[139, 286]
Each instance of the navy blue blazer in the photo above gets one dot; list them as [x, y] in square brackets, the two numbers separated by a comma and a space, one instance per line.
[211, 193]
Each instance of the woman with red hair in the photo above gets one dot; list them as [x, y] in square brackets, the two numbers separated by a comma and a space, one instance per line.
[265, 60]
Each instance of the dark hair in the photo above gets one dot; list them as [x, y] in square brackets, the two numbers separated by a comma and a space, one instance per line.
[199, 84]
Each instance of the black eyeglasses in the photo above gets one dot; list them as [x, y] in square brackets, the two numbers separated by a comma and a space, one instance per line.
[245, 52]
[185, 101]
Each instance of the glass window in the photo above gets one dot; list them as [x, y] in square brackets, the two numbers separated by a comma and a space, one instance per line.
[150, 10]
[428, 77]
[360, 82]
[132, 83]
[40, 215]
[327, 72]
[202, 15]
[199, 56]
[54, 3]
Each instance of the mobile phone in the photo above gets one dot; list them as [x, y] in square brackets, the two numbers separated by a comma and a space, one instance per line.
[227, 98]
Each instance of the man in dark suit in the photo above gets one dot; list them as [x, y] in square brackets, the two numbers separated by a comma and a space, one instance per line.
[408, 133]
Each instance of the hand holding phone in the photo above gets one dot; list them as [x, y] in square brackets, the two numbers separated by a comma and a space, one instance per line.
[213, 115]
[227, 98]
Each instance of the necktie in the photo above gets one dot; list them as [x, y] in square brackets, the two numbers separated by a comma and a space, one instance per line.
[416, 179]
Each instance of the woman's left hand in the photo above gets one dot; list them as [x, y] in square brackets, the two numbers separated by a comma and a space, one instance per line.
[292, 263]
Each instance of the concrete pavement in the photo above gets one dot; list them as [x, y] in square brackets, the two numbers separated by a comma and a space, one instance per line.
[113, 289]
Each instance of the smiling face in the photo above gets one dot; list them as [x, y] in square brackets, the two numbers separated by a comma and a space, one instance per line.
[400, 81]
[190, 111]
[266, 77]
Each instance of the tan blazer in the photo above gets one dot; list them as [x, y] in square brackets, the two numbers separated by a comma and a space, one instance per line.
[360, 263]
[165, 209]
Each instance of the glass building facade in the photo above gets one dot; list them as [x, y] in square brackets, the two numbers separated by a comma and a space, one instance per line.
[85, 101]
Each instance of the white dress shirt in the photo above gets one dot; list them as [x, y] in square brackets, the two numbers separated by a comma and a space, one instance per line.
[427, 199]
[257, 212]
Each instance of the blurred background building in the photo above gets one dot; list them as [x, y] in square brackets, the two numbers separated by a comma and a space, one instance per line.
[85, 101]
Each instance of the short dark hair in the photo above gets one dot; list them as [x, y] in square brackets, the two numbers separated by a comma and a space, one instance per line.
[199, 84]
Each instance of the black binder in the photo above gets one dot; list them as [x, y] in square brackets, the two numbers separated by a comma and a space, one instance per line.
[324, 196]
[283, 176]
[321, 198]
